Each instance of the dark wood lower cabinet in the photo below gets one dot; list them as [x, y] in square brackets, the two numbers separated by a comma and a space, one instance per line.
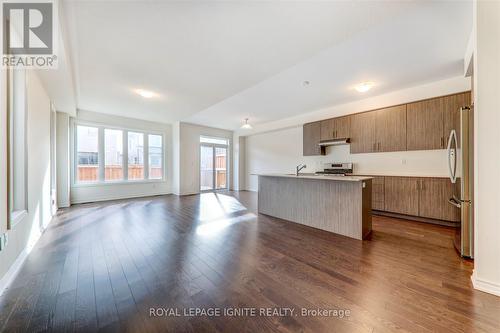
[401, 195]
[433, 199]
[378, 197]
[420, 197]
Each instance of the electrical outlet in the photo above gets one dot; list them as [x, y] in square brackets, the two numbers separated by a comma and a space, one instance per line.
[2, 241]
[403, 161]
[6, 239]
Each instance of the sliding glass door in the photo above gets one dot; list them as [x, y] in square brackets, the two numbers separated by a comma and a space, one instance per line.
[220, 168]
[213, 166]
[206, 168]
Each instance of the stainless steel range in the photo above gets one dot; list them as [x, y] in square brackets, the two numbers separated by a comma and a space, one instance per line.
[336, 169]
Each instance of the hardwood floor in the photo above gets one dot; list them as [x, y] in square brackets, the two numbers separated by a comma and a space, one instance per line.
[103, 266]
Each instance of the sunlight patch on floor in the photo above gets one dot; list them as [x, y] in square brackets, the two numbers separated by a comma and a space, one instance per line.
[214, 228]
[216, 205]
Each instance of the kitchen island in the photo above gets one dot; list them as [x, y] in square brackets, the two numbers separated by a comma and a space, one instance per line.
[341, 205]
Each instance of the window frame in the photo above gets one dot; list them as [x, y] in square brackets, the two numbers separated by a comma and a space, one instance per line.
[101, 152]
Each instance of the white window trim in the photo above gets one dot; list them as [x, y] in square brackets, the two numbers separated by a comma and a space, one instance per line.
[101, 152]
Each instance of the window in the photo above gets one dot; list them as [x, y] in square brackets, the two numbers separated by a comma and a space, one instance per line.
[113, 145]
[17, 143]
[135, 156]
[87, 153]
[116, 155]
[216, 141]
[155, 156]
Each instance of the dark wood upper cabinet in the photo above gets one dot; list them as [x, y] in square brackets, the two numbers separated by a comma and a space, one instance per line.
[327, 129]
[451, 116]
[311, 137]
[401, 195]
[433, 198]
[379, 131]
[335, 128]
[363, 133]
[425, 125]
[341, 127]
[390, 127]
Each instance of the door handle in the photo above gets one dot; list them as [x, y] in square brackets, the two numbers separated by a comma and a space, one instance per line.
[455, 203]
[452, 158]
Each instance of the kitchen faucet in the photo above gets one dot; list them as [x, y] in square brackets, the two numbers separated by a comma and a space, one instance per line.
[298, 168]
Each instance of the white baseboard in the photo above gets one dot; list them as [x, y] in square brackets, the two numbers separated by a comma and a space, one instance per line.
[119, 197]
[13, 271]
[486, 286]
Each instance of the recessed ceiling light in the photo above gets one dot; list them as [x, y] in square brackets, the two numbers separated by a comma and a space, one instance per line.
[144, 93]
[246, 125]
[364, 86]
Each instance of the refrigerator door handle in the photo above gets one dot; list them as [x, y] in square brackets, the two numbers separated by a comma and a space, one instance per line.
[455, 203]
[452, 156]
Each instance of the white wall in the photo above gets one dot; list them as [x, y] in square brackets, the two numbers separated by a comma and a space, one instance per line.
[239, 165]
[63, 161]
[486, 275]
[26, 232]
[176, 156]
[189, 155]
[280, 150]
[100, 192]
[3, 151]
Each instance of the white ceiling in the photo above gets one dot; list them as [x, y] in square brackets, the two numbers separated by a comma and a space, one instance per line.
[215, 63]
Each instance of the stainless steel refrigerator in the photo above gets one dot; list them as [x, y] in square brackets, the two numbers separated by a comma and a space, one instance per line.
[461, 159]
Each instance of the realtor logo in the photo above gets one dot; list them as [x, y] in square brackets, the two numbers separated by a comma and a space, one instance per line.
[29, 34]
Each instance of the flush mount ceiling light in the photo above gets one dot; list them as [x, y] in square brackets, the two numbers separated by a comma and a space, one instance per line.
[364, 86]
[144, 93]
[306, 83]
[246, 125]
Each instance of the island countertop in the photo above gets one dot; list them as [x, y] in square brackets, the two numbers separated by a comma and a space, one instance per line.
[317, 177]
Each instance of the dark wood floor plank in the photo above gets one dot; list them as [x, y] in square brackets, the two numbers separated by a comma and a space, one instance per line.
[25, 306]
[85, 308]
[105, 303]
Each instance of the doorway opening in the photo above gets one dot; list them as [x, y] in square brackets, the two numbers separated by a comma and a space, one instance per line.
[213, 164]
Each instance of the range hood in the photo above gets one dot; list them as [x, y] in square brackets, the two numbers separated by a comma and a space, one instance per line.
[334, 142]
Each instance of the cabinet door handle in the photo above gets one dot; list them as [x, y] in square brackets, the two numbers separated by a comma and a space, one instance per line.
[374, 146]
[379, 146]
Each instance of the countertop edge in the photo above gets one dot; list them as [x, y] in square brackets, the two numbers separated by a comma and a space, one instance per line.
[320, 177]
